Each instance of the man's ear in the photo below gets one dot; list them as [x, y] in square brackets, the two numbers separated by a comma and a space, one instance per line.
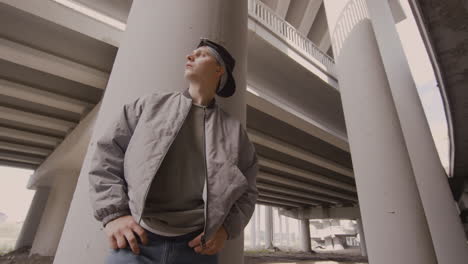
[220, 70]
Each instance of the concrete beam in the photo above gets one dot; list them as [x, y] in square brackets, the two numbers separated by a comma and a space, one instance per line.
[306, 175]
[271, 106]
[115, 9]
[38, 96]
[309, 16]
[71, 18]
[45, 62]
[287, 198]
[36, 120]
[350, 213]
[311, 197]
[20, 158]
[325, 42]
[296, 12]
[24, 149]
[307, 187]
[282, 8]
[19, 135]
[15, 164]
[260, 138]
[397, 10]
[276, 202]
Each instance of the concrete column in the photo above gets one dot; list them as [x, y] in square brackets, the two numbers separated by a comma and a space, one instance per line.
[257, 231]
[439, 206]
[337, 243]
[288, 243]
[33, 218]
[388, 196]
[56, 210]
[151, 58]
[268, 227]
[305, 235]
[253, 230]
[362, 238]
[328, 243]
[280, 220]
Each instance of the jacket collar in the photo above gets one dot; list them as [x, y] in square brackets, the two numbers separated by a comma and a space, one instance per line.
[210, 105]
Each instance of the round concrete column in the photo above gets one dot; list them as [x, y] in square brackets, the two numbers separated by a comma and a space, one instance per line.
[253, 229]
[362, 238]
[388, 196]
[305, 235]
[288, 244]
[33, 218]
[280, 222]
[268, 227]
[55, 212]
[151, 58]
[439, 206]
[337, 243]
[258, 218]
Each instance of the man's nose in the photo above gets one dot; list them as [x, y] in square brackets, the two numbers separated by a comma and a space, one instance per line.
[189, 57]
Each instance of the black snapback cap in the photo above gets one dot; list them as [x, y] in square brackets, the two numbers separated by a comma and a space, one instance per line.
[230, 86]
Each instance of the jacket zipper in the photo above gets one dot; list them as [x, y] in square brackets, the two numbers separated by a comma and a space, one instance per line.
[203, 237]
[167, 150]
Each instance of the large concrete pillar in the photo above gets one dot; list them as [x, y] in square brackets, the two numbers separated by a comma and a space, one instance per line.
[362, 238]
[388, 196]
[439, 206]
[151, 58]
[268, 227]
[56, 210]
[33, 218]
[305, 235]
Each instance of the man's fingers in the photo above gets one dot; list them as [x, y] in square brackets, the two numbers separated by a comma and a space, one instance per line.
[121, 242]
[141, 233]
[132, 241]
[201, 250]
[112, 242]
[195, 241]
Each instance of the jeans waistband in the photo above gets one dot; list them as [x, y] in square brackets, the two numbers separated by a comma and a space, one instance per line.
[185, 237]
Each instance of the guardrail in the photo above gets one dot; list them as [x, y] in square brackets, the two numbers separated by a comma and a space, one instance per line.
[263, 14]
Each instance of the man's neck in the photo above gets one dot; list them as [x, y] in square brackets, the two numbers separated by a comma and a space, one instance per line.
[201, 95]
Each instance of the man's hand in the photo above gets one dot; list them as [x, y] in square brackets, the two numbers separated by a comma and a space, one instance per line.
[213, 245]
[120, 230]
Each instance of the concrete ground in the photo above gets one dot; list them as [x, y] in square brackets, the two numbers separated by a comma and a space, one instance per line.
[351, 256]
[21, 256]
[348, 256]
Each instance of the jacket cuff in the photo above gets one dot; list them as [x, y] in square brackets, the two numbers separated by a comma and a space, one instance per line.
[230, 229]
[114, 216]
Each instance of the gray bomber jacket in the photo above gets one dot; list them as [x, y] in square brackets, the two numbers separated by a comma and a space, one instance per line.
[127, 156]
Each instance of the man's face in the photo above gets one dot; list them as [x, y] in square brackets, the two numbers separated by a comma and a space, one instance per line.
[201, 65]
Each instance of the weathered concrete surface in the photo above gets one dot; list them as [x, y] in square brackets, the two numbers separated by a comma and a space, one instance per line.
[447, 25]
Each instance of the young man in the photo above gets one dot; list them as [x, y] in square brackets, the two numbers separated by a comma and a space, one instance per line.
[176, 171]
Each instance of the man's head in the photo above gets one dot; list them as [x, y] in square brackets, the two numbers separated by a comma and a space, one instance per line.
[211, 62]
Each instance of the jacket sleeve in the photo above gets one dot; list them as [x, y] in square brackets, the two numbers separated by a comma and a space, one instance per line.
[242, 210]
[107, 185]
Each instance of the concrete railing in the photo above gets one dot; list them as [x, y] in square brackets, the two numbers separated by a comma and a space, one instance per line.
[267, 17]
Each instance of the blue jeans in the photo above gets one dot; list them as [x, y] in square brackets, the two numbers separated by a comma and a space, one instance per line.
[162, 250]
